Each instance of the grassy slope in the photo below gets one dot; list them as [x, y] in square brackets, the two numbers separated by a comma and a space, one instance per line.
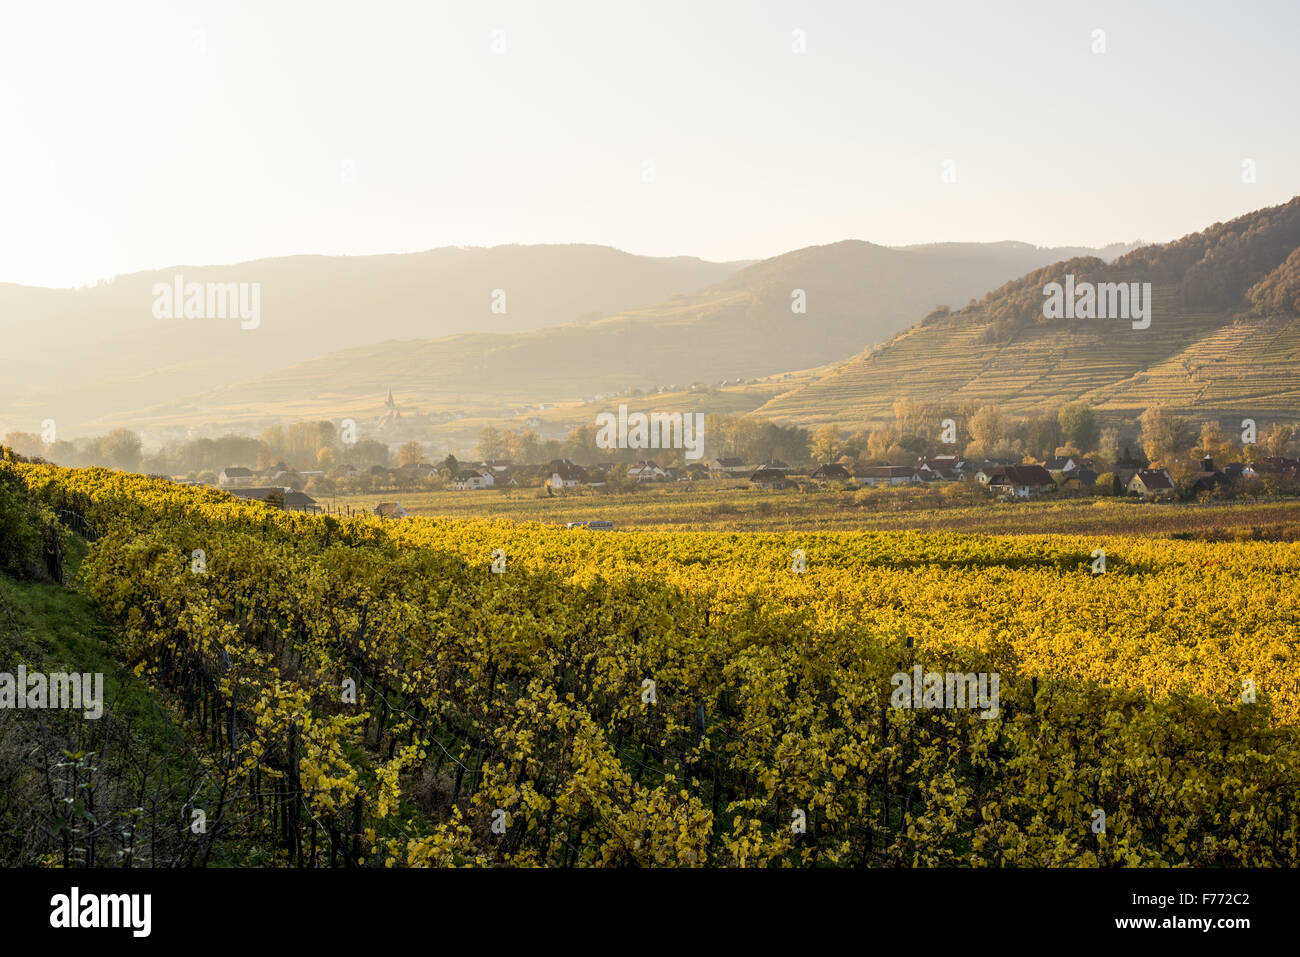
[54, 628]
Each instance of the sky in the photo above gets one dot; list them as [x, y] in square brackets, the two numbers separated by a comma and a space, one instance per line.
[144, 135]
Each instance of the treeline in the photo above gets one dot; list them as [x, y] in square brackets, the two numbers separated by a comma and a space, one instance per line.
[977, 431]
[985, 431]
[751, 438]
[300, 447]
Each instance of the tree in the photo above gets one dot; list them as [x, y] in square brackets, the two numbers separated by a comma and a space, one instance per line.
[365, 453]
[1276, 440]
[1042, 435]
[580, 445]
[25, 443]
[1213, 444]
[523, 448]
[1108, 445]
[530, 448]
[1164, 434]
[1079, 426]
[121, 450]
[880, 441]
[412, 453]
[325, 458]
[1108, 484]
[992, 435]
[989, 426]
[826, 443]
[491, 443]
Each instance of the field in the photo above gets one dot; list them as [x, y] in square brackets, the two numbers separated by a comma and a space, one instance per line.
[478, 692]
[723, 506]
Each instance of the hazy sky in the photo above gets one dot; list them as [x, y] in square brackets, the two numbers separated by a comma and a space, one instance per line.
[138, 135]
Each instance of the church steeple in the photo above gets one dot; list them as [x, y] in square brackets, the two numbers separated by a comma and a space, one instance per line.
[389, 403]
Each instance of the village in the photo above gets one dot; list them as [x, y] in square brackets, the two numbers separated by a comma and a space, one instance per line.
[1063, 475]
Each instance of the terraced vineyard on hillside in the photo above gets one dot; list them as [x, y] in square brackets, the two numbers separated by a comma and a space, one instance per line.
[1189, 360]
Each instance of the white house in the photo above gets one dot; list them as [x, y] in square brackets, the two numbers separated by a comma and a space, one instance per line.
[470, 479]
[1151, 483]
[567, 475]
[729, 466]
[235, 477]
[645, 471]
[887, 475]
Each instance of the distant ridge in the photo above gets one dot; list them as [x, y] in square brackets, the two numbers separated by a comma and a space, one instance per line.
[99, 351]
[741, 326]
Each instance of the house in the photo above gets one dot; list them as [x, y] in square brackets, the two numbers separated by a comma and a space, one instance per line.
[645, 472]
[941, 463]
[934, 476]
[416, 470]
[1151, 483]
[235, 477]
[983, 470]
[1276, 465]
[1020, 481]
[1077, 480]
[1065, 463]
[1208, 478]
[497, 465]
[259, 493]
[832, 472]
[695, 471]
[729, 466]
[1071, 471]
[888, 475]
[299, 502]
[777, 465]
[564, 474]
[286, 498]
[390, 510]
[469, 479]
[769, 478]
[345, 472]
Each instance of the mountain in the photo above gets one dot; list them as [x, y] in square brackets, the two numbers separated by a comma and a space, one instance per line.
[855, 293]
[99, 351]
[1224, 339]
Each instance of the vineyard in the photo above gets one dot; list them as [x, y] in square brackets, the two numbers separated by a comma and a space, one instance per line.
[473, 692]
